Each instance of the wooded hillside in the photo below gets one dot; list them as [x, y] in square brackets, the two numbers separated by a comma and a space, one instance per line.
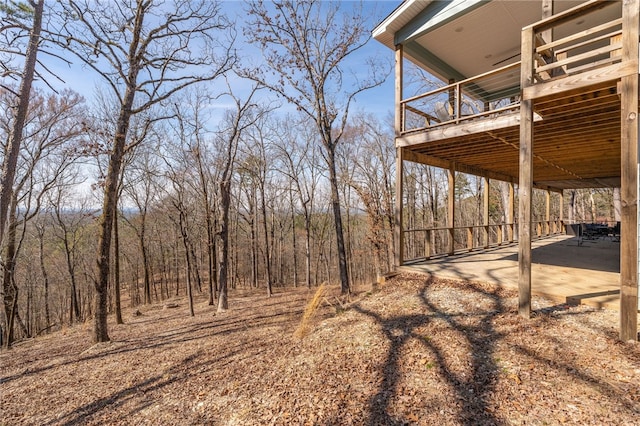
[180, 176]
[417, 351]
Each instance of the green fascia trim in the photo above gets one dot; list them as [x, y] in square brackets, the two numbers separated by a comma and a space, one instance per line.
[435, 15]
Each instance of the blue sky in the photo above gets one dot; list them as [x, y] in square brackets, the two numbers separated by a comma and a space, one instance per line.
[378, 101]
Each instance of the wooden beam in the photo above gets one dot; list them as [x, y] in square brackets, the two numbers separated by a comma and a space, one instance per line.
[399, 119]
[526, 178]
[580, 80]
[630, 129]
[451, 208]
[430, 160]
[511, 212]
[399, 222]
[464, 129]
[485, 211]
[547, 12]
[547, 216]
[561, 218]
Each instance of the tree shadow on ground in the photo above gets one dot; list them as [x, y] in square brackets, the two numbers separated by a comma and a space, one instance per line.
[480, 328]
[472, 391]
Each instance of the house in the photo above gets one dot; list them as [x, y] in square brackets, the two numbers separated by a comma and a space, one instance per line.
[540, 94]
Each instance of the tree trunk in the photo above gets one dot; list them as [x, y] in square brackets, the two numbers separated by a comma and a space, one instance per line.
[225, 201]
[294, 240]
[210, 257]
[572, 206]
[145, 264]
[267, 251]
[100, 333]
[592, 205]
[189, 255]
[307, 247]
[45, 277]
[210, 236]
[15, 139]
[337, 216]
[214, 259]
[196, 271]
[68, 252]
[116, 270]
[176, 264]
[254, 247]
[8, 284]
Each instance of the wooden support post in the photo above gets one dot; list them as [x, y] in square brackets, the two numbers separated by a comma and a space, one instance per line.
[485, 212]
[399, 120]
[561, 227]
[470, 238]
[451, 209]
[499, 235]
[547, 12]
[452, 99]
[399, 225]
[630, 129]
[547, 214]
[525, 185]
[511, 212]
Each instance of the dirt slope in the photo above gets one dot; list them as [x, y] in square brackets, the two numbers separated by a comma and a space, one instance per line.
[415, 352]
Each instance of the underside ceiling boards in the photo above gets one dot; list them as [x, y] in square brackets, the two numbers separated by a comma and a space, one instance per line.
[576, 143]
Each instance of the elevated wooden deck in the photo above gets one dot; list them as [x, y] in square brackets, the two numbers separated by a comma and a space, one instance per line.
[565, 116]
[562, 270]
[577, 141]
[573, 86]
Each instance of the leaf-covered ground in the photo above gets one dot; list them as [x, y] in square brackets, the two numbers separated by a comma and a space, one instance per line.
[417, 351]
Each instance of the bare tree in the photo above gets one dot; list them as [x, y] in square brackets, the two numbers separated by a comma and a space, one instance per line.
[50, 128]
[248, 211]
[191, 117]
[11, 23]
[372, 159]
[179, 199]
[145, 52]
[256, 164]
[299, 157]
[140, 187]
[40, 232]
[306, 44]
[236, 122]
[69, 219]
[180, 196]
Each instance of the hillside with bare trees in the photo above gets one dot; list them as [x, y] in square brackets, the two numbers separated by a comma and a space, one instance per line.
[416, 351]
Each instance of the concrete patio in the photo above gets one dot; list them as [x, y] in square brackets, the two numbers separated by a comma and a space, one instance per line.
[562, 269]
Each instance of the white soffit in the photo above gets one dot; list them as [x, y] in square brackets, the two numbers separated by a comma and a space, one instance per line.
[471, 51]
[404, 13]
[485, 38]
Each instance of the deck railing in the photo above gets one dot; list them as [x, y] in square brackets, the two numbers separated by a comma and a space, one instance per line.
[425, 243]
[583, 51]
[569, 44]
[489, 94]
[573, 49]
